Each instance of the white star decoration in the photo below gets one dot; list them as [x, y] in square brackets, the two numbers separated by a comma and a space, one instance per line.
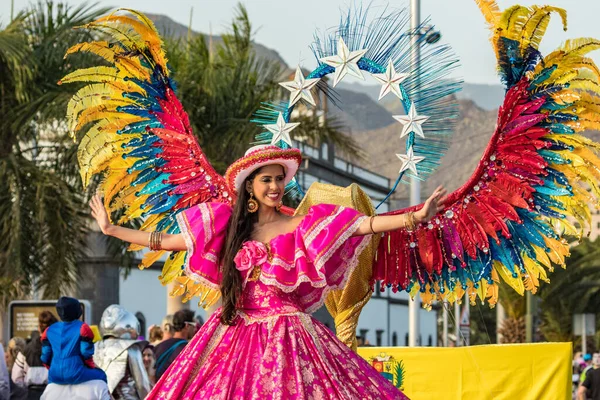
[390, 81]
[411, 122]
[281, 130]
[300, 88]
[345, 62]
[409, 161]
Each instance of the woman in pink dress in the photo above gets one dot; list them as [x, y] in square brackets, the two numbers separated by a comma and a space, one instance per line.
[272, 270]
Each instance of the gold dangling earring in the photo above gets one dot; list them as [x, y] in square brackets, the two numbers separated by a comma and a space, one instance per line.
[278, 206]
[252, 204]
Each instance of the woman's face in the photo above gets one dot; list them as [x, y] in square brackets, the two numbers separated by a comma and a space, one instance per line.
[148, 357]
[268, 185]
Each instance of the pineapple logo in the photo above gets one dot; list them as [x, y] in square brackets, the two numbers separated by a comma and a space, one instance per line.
[390, 368]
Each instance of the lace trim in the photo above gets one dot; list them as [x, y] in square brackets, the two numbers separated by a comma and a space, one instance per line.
[319, 228]
[186, 231]
[269, 320]
[213, 342]
[307, 322]
[285, 264]
[190, 243]
[207, 219]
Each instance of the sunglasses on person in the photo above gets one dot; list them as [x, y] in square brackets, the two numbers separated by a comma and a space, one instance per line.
[192, 324]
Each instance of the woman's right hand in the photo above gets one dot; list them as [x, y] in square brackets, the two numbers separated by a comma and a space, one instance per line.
[100, 214]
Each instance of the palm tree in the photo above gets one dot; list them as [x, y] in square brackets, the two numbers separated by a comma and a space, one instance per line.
[42, 219]
[574, 290]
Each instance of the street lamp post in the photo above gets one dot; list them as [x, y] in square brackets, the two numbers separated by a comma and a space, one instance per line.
[415, 184]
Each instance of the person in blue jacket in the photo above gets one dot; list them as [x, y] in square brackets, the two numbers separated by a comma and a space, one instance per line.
[68, 348]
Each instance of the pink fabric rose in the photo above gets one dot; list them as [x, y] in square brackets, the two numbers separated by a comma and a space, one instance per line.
[251, 254]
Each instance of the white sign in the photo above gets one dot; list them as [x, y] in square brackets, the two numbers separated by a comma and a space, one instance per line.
[590, 324]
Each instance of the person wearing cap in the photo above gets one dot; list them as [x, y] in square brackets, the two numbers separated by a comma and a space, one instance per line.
[273, 271]
[67, 352]
[68, 348]
[590, 384]
[587, 359]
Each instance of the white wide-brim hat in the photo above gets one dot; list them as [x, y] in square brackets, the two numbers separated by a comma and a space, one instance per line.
[259, 156]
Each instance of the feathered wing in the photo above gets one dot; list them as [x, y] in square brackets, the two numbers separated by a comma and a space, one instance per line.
[534, 183]
[135, 133]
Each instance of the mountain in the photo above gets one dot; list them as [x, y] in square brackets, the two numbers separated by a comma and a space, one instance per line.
[358, 112]
[469, 141]
[169, 28]
[488, 97]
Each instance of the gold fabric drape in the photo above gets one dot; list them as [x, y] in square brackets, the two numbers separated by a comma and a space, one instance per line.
[346, 304]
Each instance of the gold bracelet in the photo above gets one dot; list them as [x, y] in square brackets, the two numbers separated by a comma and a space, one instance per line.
[409, 225]
[371, 225]
[159, 241]
[155, 241]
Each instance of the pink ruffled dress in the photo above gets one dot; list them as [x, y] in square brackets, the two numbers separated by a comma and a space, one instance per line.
[276, 350]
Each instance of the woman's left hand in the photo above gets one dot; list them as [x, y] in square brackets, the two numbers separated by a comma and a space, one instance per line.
[433, 205]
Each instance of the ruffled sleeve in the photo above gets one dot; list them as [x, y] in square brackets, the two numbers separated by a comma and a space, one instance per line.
[204, 228]
[318, 256]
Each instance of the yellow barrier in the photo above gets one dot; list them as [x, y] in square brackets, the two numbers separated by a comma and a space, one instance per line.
[512, 371]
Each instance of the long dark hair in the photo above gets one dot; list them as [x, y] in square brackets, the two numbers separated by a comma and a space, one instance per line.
[239, 230]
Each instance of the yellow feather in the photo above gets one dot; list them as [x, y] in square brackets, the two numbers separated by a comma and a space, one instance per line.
[100, 48]
[506, 275]
[512, 21]
[542, 258]
[93, 74]
[562, 77]
[98, 158]
[580, 46]
[492, 294]
[172, 268]
[558, 250]
[122, 34]
[145, 20]
[587, 83]
[188, 288]
[124, 198]
[535, 28]
[150, 258]
[92, 101]
[135, 207]
[142, 35]
[531, 281]
[482, 290]
[115, 182]
[150, 223]
[146, 33]
[490, 11]
[133, 67]
[131, 38]
[427, 297]
[566, 96]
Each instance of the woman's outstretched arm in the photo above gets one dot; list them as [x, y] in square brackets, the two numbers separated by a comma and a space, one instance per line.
[169, 242]
[385, 223]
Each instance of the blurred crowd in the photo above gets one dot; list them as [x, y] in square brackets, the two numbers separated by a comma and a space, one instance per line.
[586, 376]
[67, 359]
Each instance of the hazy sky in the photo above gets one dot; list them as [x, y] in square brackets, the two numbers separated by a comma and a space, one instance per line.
[288, 26]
